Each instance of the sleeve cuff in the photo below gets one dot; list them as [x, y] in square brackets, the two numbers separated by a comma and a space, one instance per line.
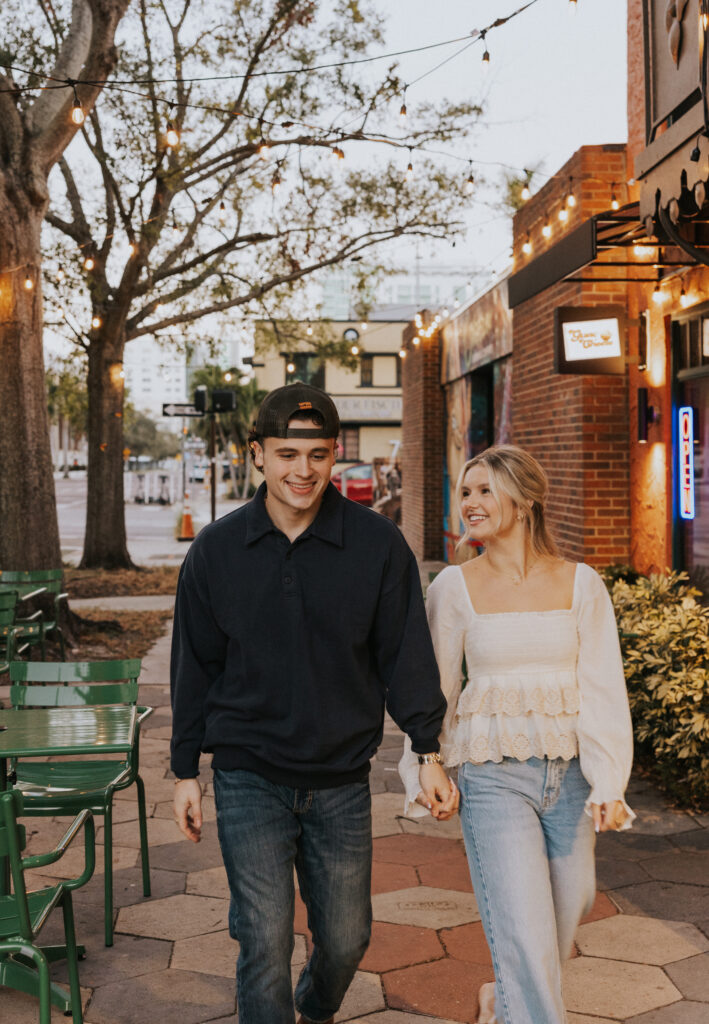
[606, 796]
[425, 745]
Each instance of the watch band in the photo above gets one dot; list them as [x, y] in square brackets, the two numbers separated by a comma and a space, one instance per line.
[430, 759]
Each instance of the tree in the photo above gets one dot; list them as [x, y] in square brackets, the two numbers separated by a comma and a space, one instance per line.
[197, 224]
[144, 437]
[74, 41]
[233, 428]
[67, 400]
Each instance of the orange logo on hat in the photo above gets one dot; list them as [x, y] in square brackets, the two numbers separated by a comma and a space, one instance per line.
[305, 405]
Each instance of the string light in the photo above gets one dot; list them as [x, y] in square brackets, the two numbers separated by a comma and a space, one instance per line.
[172, 136]
[263, 149]
[290, 366]
[227, 377]
[28, 283]
[456, 303]
[60, 275]
[175, 228]
[416, 340]
[418, 321]
[276, 183]
[470, 180]
[563, 214]
[96, 322]
[402, 353]
[615, 205]
[657, 294]
[684, 299]
[89, 263]
[409, 168]
[486, 54]
[527, 245]
[546, 229]
[526, 192]
[446, 312]
[402, 112]
[355, 350]
[363, 326]
[222, 214]
[309, 330]
[570, 197]
[77, 111]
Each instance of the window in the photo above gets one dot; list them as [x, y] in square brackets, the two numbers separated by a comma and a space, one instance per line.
[366, 371]
[310, 369]
[349, 439]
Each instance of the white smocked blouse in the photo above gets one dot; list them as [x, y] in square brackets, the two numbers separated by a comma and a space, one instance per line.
[540, 684]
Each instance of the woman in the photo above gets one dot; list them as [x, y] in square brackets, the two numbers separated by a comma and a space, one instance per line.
[541, 731]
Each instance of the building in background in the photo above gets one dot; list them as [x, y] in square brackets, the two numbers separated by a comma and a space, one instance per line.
[398, 296]
[155, 374]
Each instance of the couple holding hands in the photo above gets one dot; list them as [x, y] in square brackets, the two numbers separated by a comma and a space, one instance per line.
[299, 619]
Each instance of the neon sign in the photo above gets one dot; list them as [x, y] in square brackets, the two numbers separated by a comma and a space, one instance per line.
[686, 462]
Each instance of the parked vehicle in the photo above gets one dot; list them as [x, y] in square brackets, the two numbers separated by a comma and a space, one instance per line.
[356, 483]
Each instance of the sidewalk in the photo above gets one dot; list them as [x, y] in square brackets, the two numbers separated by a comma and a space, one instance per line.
[643, 953]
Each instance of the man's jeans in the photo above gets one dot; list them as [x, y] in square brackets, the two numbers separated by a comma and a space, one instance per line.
[265, 830]
[530, 850]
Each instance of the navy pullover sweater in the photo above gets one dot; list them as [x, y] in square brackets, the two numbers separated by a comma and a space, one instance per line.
[285, 655]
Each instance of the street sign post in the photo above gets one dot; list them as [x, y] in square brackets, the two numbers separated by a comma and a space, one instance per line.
[180, 409]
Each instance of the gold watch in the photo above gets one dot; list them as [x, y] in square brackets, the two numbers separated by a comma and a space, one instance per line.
[430, 759]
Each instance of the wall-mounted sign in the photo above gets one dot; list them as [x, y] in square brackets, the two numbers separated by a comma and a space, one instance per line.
[685, 456]
[589, 339]
[353, 409]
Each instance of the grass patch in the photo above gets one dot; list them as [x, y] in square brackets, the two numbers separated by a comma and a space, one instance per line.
[160, 579]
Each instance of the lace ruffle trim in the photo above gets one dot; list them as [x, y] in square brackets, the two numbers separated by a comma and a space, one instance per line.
[519, 745]
[517, 699]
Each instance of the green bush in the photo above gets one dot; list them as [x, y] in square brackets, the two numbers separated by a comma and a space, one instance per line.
[664, 637]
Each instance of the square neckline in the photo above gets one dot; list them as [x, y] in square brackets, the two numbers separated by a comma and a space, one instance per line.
[545, 611]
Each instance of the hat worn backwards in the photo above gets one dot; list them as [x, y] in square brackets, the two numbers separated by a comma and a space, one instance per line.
[281, 405]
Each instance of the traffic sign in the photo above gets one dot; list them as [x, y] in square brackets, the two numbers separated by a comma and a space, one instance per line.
[177, 409]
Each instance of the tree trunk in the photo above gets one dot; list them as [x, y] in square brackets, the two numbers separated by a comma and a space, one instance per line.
[105, 538]
[29, 535]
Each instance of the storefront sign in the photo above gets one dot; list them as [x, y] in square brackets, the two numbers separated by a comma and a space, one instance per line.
[686, 462]
[386, 408]
[589, 339]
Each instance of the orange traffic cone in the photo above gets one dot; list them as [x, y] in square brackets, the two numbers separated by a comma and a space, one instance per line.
[186, 527]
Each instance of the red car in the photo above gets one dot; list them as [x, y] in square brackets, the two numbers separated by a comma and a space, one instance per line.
[356, 483]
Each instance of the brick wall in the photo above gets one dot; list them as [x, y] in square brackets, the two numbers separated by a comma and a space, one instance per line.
[577, 426]
[423, 445]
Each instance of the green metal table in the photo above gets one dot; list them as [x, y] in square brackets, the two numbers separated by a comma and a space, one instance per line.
[43, 732]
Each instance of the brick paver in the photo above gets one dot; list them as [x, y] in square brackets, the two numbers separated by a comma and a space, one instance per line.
[642, 952]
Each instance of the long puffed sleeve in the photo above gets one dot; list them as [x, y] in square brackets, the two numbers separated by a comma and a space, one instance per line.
[605, 731]
[443, 610]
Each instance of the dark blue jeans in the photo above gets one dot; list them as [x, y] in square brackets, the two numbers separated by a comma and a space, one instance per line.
[265, 831]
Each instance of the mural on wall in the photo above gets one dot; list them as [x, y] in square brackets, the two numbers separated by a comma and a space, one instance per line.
[477, 380]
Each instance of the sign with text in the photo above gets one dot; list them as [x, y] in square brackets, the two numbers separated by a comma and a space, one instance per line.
[685, 454]
[589, 339]
[180, 409]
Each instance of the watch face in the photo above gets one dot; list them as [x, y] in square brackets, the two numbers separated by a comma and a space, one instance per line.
[350, 334]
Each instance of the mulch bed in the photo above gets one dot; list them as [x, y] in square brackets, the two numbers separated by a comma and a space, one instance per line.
[120, 582]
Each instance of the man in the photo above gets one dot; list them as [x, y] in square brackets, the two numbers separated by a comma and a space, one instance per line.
[299, 617]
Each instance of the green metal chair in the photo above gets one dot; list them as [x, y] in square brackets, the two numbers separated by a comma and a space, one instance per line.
[31, 584]
[23, 964]
[65, 787]
[11, 644]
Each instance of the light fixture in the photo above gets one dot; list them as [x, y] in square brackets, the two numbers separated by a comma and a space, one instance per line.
[642, 341]
[446, 312]
[28, 283]
[456, 303]
[658, 295]
[402, 112]
[222, 213]
[684, 299]
[60, 273]
[227, 377]
[363, 325]
[89, 263]
[563, 215]
[470, 180]
[526, 191]
[417, 320]
[527, 246]
[276, 183]
[615, 205]
[77, 113]
[309, 330]
[355, 350]
[175, 227]
[696, 154]
[486, 54]
[290, 366]
[416, 340]
[409, 168]
[402, 353]
[122, 374]
[263, 149]
[647, 251]
[546, 228]
[96, 322]
[172, 135]
[647, 414]
[570, 197]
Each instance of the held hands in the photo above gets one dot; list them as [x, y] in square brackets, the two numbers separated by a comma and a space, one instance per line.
[608, 817]
[438, 793]
[187, 805]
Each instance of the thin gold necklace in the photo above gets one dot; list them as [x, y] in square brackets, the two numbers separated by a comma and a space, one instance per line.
[518, 578]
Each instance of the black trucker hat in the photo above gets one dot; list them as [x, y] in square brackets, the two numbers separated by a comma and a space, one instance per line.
[280, 405]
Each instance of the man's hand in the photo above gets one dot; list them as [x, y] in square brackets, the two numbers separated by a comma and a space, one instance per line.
[187, 806]
[438, 793]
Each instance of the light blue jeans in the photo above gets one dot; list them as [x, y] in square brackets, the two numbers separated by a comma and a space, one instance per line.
[530, 848]
[265, 831]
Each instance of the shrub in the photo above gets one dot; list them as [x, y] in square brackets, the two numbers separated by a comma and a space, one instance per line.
[664, 636]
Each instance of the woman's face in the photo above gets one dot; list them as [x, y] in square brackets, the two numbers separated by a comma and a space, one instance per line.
[483, 515]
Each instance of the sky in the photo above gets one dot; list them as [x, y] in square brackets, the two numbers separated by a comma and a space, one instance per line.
[556, 81]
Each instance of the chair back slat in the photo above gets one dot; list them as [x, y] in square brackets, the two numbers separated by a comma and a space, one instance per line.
[75, 671]
[48, 696]
[26, 581]
[8, 605]
[14, 841]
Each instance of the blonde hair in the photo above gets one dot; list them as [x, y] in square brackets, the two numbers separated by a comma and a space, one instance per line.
[516, 473]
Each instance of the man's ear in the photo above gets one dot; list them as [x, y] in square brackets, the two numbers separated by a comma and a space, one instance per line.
[257, 450]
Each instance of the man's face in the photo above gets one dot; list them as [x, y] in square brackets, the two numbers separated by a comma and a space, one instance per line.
[296, 470]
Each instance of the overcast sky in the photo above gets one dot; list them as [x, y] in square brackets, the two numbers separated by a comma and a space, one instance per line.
[556, 81]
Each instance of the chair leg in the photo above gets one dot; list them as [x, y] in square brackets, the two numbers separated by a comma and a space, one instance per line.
[108, 871]
[62, 648]
[144, 851]
[72, 959]
[45, 1004]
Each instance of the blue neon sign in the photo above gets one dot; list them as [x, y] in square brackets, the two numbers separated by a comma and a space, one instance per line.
[686, 462]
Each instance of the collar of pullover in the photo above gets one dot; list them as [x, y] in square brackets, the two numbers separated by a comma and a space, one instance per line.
[327, 525]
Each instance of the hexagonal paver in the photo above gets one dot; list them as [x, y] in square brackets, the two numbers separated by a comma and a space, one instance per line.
[612, 873]
[446, 988]
[184, 996]
[609, 988]
[415, 850]
[19, 1008]
[400, 945]
[210, 882]
[428, 826]
[164, 809]
[426, 907]
[217, 953]
[628, 846]
[692, 978]
[677, 1013]
[455, 876]
[397, 1017]
[72, 863]
[698, 841]
[467, 942]
[160, 831]
[363, 996]
[387, 877]
[183, 855]
[681, 866]
[602, 907]
[128, 957]
[581, 1018]
[386, 808]
[667, 900]
[176, 917]
[640, 940]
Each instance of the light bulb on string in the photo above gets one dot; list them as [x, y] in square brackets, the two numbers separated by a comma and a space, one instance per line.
[615, 205]
[402, 112]
[222, 214]
[416, 340]
[263, 149]
[309, 330]
[355, 350]
[77, 111]
[28, 283]
[563, 214]
[172, 135]
[175, 227]
[470, 180]
[486, 54]
[446, 312]
[527, 246]
[526, 191]
[657, 294]
[227, 377]
[60, 275]
[456, 303]
[546, 228]
[290, 366]
[684, 299]
[408, 176]
[89, 263]
[96, 322]
[402, 353]
[276, 183]
[363, 325]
